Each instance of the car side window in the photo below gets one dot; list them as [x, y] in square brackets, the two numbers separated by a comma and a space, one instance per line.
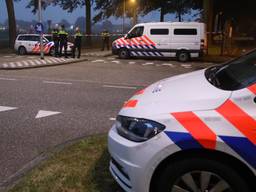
[35, 38]
[21, 38]
[136, 32]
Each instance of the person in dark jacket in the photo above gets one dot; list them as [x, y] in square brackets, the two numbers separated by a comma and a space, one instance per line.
[77, 43]
[105, 35]
[63, 35]
[56, 40]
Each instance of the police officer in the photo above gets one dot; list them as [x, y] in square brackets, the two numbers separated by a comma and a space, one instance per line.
[56, 40]
[77, 43]
[63, 35]
[105, 35]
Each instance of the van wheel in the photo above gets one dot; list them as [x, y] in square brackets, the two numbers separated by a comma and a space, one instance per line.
[183, 56]
[22, 51]
[124, 54]
[193, 175]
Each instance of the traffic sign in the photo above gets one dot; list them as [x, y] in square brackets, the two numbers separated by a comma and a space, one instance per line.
[39, 28]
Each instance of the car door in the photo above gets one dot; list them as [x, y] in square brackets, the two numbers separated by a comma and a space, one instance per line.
[33, 43]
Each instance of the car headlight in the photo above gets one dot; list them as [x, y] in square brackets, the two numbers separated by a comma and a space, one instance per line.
[136, 129]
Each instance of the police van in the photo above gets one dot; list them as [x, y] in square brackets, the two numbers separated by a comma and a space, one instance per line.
[183, 40]
[195, 132]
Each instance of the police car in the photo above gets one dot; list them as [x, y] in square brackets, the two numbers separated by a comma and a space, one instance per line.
[194, 132]
[30, 43]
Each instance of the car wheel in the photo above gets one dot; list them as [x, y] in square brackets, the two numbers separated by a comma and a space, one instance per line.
[22, 51]
[124, 54]
[183, 56]
[52, 52]
[200, 175]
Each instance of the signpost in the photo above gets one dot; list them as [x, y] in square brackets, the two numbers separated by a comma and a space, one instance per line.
[39, 28]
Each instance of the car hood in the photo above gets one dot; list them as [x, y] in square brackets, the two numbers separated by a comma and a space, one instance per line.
[187, 92]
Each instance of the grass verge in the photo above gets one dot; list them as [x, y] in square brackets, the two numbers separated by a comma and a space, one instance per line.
[80, 167]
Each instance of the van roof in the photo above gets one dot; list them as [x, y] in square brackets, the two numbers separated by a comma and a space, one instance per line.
[171, 23]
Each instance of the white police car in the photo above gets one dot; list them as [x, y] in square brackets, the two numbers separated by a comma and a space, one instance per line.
[190, 133]
[30, 43]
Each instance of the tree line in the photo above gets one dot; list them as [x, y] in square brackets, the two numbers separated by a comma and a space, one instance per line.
[107, 8]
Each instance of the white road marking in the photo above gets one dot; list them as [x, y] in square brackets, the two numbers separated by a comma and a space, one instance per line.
[4, 108]
[97, 61]
[168, 64]
[25, 63]
[12, 65]
[53, 60]
[132, 63]
[43, 61]
[42, 113]
[185, 65]
[38, 62]
[118, 87]
[111, 58]
[57, 82]
[117, 62]
[31, 57]
[32, 62]
[48, 61]
[7, 79]
[5, 65]
[112, 119]
[7, 56]
[19, 64]
[149, 63]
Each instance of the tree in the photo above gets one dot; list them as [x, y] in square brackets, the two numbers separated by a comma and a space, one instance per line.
[178, 7]
[11, 22]
[70, 5]
[115, 8]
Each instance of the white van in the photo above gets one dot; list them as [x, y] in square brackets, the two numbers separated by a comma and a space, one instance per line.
[183, 40]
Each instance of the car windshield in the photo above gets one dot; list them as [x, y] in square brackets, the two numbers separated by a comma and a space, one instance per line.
[234, 75]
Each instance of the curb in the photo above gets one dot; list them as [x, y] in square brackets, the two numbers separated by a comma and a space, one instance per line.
[12, 66]
[97, 55]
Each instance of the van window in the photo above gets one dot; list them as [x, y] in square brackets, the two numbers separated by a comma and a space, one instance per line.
[185, 31]
[159, 31]
[136, 32]
[21, 38]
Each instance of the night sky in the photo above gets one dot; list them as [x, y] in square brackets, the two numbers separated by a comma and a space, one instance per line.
[56, 14]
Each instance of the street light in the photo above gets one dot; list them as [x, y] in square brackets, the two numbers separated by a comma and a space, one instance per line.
[124, 11]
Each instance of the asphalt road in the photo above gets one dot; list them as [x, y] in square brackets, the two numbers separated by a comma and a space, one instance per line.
[45, 107]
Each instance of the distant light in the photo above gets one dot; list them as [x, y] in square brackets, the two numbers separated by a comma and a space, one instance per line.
[72, 27]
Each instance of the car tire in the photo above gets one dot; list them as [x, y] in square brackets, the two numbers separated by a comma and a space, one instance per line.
[124, 54]
[22, 51]
[183, 56]
[186, 174]
[52, 51]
